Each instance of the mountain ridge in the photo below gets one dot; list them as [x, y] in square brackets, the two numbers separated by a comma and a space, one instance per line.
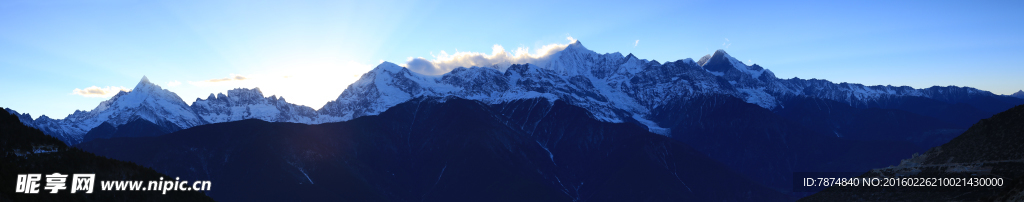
[1018, 94]
[615, 88]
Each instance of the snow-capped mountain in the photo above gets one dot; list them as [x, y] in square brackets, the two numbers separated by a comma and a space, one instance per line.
[242, 103]
[146, 101]
[613, 87]
[164, 108]
[575, 74]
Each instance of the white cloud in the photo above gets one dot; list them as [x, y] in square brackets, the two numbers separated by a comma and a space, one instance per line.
[637, 42]
[230, 78]
[444, 62]
[233, 77]
[422, 66]
[174, 83]
[96, 91]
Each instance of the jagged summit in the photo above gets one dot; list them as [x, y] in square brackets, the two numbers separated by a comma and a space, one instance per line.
[237, 94]
[146, 89]
[719, 55]
[630, 56]
[720, 63]
[245, 94]
[577, 45]
[145, 84]
[243, 103]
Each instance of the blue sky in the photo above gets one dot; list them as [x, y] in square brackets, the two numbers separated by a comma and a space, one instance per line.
[48, 49]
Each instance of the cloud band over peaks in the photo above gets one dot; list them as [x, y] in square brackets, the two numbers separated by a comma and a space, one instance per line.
[499, 58]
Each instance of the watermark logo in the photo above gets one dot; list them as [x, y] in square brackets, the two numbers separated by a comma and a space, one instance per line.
[32, 183]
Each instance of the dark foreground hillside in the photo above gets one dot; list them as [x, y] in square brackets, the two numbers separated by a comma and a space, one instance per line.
[435, 149]
[26, 150]
[992, 148]
[768, 147]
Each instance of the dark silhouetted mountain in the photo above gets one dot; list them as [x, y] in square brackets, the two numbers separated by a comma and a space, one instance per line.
[1018, 94]
[989, 149]
[431, 149]
[872, 124]
[767, 147]
[136, 128]
[961, 113]
[27, 150]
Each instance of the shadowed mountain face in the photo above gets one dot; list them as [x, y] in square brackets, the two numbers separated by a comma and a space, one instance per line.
[1018, 94]
[767, 147]
[441, 150]
[960, 112]
[989, 149]
[27, 150]
[873, 124]
[135, 128]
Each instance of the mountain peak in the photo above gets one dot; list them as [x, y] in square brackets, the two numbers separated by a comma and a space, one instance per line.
[576, 45]
[1018, 94]
[720, 62]
[704, 60]
[388, 66]
[717, 62]
[630, 55]
[720, 53]
[245, 94]
[144, 84]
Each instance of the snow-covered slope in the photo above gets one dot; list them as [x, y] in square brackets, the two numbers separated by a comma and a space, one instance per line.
[164, 108]
[574, 74]
[612, 87]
